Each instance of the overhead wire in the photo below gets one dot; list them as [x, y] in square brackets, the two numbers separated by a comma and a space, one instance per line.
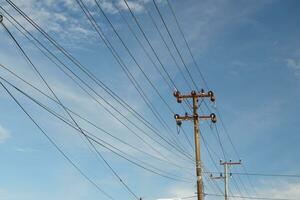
[144, 74]
[239, 197]
[186, 43]
[55, 145]
[168, 49]
[97, 140]
[174, 44]
[69, 114]
[89, 122]
[72, 59]
[151, 47]
[204, 81]
[264, 174]
[172, 41]
[155, 53]
[84, 69]
[198, 69]
[123, 66]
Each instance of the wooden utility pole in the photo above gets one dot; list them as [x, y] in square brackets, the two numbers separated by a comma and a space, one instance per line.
[195, 117]
[226, 175]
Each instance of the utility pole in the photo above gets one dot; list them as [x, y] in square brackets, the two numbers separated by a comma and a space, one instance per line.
[226, 175]
[195, 117]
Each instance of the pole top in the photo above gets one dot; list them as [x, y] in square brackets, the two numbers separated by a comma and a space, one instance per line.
[1, 18]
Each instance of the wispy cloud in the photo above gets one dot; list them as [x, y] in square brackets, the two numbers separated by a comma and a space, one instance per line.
[4, 134]
[281, 189]
[137, 6]
[25, 150]
[293, 65]
[51, 17]
[177, 191]
[64, 17]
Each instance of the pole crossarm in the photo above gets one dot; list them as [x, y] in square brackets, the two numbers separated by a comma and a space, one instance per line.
[194, 94]
[196, 118]
[217, 177]
[226, 175]
[230, 163]
[192, 117]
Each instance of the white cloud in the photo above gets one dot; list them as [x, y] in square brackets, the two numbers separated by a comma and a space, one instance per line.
[135, 6]
[210, 18]
[167, 199]
[4, 134]
[108, 7]
[177, 191]
[61, 17]
[5, 195]
[280, 189]
[25, 150]
[293, 65]
[52, 17]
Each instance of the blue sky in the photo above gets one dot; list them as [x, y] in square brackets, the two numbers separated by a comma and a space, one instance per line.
[248, 51]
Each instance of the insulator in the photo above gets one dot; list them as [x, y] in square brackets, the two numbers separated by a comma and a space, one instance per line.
[202, 91]
[213, 99]
[179, 123]
[193, 93]
[213, 117]
[176, 93]
[179, 100]
[211, 95]
[176, 116]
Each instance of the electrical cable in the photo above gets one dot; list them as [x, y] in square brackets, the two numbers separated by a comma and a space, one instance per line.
[121, 63]
[144, 74]
[175, 45]
[87, 86]
[59, 101]
[55, 145]
[97, 140]
[89, 122]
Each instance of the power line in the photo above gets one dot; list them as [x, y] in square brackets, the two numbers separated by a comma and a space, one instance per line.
[78, 64]
[264, 174]
[177, 22]
[93, 124]
[225, 158]
[55, 145]
[124, 67]
[175, 45]
[69, 114]
[144, 49]
[187, 44]
[240, 197]
[144, 74]
[89, 122]
[151, 47]
[97, 140]
[204, 81]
